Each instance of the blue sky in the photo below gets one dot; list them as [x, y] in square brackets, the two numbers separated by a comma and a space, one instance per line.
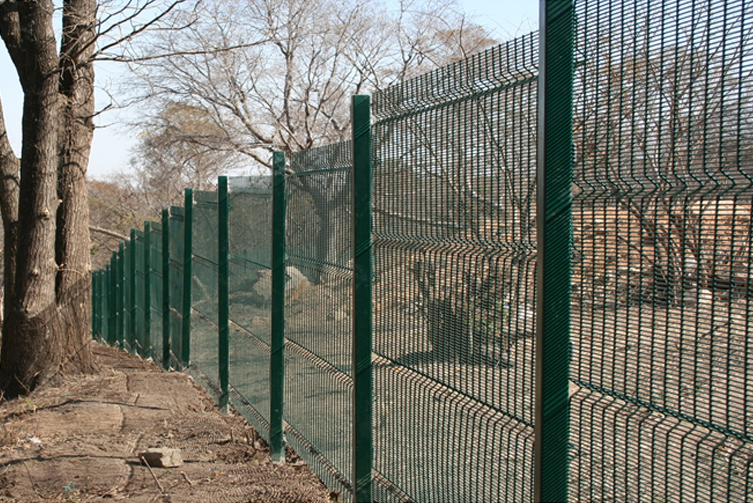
[506, 19]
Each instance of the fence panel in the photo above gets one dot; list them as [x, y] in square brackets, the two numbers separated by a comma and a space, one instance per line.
[662, 224]
[130, 275]
[109, 321]
[454, 249]
[205, 322]
[140, 328]
[318, 304]
[250, 232]
[177, 260]
[156, 291]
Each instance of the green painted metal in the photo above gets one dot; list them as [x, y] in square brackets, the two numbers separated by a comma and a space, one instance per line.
[554, 250]
[93, 281]
[110, 299]
[176, 259]
[122, 296]
[205, 296]
[132, 309]
[277, 356]
[103, 310]
[146, 349]
[166, 322]
[185, 356]
[478, 393]
[138, 343]
[127, 306]
[96, 304]
[223, 271]
[319, 338]
[363, 271]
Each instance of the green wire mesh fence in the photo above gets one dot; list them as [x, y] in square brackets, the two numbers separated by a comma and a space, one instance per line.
[204, 295]
[454, 230]
[318, 302]
[659, 393]
[250, 230]
[175, 283]
[662, 221]
[155, 301]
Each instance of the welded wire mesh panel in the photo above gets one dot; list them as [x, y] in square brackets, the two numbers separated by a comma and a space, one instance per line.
[129, 307]
[111, 302]
[155, 285]
[177, 260]
[140, 328]
[250, 236]
[317, 310]
[663, 111]
[454, 249]
[204, 322]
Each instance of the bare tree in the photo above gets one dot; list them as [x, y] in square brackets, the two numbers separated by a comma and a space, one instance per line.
[43, 195]
[289, 88]
[177, 150]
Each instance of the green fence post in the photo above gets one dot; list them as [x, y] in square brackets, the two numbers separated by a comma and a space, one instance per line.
[110, 293]
[116, 299]
[185, 356]
[147, 342]
[97, 297]
[125, 258]
[132, 301]
[122, 300]
[93, 282]
[363, 446]
[223, 308]
[166, 289]
[554, 248]
[100, 302]
[277, 358]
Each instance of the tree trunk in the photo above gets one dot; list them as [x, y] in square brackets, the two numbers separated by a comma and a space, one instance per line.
[9, 184]
[29, 343]
[46, 327]
[73, 292]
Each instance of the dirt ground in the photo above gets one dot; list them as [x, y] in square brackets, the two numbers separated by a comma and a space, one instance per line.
[78, 439]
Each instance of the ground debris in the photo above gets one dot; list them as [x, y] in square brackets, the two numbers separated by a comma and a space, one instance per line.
[162, 457]
[83, 441]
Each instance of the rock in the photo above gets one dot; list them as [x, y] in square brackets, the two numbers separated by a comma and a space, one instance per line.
[295, 284]
[162, 457]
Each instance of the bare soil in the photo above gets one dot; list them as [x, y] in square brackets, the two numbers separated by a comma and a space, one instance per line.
[78, 439]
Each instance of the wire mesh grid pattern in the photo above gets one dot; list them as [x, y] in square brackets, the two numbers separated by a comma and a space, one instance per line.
[660, 367]
[204, 294]
[318, 304]
[156, 286]
[250, 228]
[454, 248]
[662, 130]
[176, 264]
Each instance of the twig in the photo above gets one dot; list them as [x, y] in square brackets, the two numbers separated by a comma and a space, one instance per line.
[190, 483]
[162, 489]
[108, 232]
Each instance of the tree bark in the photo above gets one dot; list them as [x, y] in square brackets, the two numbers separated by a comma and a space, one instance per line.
[48, 308]
[30, 345]
[9, 186]
[77, 132]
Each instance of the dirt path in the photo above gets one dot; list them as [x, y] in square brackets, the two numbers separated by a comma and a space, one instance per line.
[77, 440]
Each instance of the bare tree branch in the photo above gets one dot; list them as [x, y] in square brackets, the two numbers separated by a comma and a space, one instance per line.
[108, 232]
